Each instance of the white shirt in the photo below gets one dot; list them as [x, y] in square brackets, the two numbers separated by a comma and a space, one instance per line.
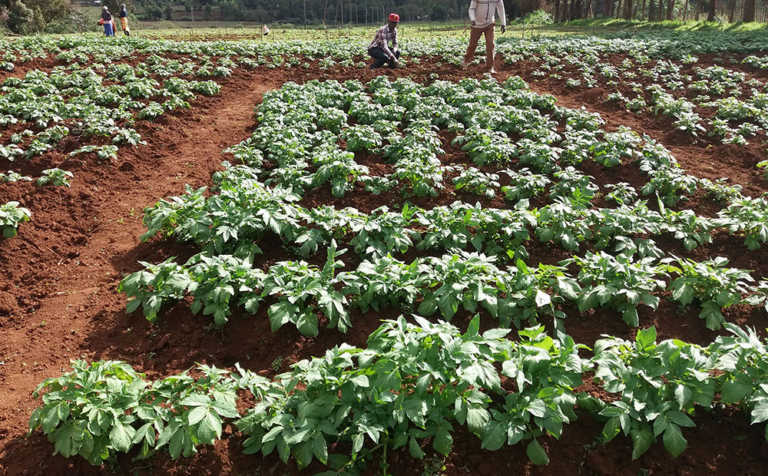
[483, 12]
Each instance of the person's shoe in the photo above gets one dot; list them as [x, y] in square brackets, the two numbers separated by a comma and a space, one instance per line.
[492, 70]
[373, 66]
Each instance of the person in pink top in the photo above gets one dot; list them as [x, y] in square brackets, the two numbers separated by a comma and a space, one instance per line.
[482, 14]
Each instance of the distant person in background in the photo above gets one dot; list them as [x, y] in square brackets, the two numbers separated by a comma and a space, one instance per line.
[482, 14]
[264, 30]
[379, 48]
[124, 20]
[107, 22]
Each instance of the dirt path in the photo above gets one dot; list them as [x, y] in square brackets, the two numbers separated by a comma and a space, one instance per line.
[106, 222]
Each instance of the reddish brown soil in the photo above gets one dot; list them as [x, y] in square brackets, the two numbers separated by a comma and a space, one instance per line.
[58, 301]
[21, 69]
[703, 156]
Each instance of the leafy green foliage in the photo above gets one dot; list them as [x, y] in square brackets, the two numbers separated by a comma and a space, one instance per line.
[658, 386]
[12, 177]
[339, 169]
[11, 215]
[154, 287]
[562, 223]
[620, 283]
[410, 387]
[423, 379]
[362, 138]
[524, 184]
[473, 181]
[55, 177]
[486, 146]
[105, 408]
[104, 152]
[741, 360]
[747, 217]
[711, 283]
[301, 290]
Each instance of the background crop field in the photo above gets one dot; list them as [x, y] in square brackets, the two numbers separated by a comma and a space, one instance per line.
[577, 188]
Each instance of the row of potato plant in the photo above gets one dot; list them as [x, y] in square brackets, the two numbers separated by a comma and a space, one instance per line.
[298, 292]
[657, 44]
[411, 387]
[223, 222]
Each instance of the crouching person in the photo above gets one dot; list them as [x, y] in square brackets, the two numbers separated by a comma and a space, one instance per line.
[379, 48]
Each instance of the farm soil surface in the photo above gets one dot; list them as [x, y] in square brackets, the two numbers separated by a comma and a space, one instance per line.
[701, 156]
[58, 301]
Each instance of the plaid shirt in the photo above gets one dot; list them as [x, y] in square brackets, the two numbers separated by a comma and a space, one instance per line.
[382, 38]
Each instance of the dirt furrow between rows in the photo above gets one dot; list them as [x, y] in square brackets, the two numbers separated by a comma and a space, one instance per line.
[706, 160]
[77, 291]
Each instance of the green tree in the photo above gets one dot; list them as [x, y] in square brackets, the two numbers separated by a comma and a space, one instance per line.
[19, 17]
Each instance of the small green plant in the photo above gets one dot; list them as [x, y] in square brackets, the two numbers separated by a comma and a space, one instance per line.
[104, 152]
[622, 193]
[362, 138]
[11, 177]
[759, 295]
[658, 385]
[474, 181]
[11, 215]
[524, 184]
[55, 177]
[714, 285]
[153, 110]
[619, 283]
[747, 217]
[105, 408]
[763, 165]
[277, 364]
[302, 291]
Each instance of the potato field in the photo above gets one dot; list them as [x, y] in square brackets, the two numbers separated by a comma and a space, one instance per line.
[263, 257]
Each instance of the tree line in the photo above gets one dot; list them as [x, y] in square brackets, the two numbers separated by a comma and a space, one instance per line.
[304, 11]
[660, 10]
[31, 16]
[334, 12]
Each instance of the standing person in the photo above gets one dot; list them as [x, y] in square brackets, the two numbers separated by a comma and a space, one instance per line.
[482, 14]
[106, 21]
[124, 20]
[379, 48]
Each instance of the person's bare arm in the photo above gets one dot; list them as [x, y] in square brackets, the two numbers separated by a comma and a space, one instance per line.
[387, 51]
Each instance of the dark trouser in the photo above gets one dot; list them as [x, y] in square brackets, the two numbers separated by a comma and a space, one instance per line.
[474, 37]
[379, 57]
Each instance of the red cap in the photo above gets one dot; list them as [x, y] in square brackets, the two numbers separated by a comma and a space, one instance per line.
[394, 17]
